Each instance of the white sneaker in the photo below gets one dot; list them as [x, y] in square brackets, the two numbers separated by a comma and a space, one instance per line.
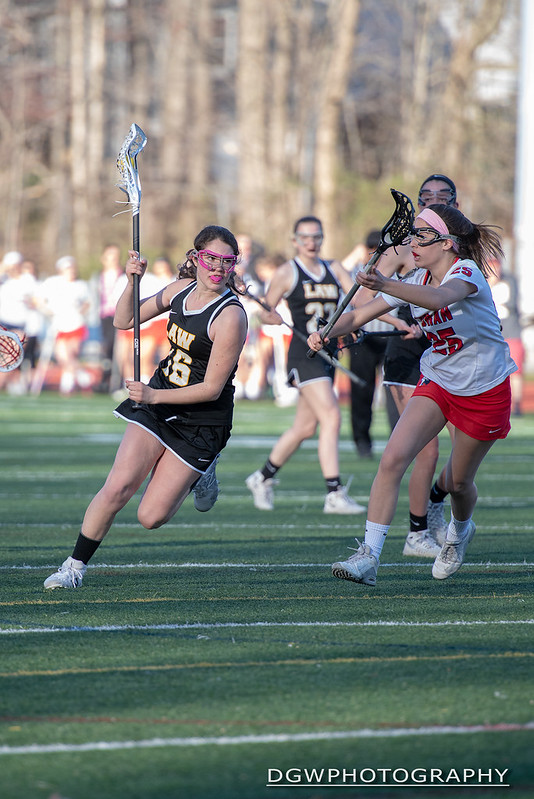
[437, 524]
[69, 575]
[360, 567]
[206, 489]
[339, 502]
[452, 555]
[421, 545]
[262, 490]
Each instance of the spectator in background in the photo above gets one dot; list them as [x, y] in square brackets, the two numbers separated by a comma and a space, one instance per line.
[249, 252]
[34, 322]
[16, 291]
[274, 340]
[153, 332]
[505, 292]
[247, 381]
[155, 337]
[107, 291]
[64, 299]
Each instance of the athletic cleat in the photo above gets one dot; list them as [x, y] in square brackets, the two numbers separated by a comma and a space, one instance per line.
[360, 567]
[338, 501]
[262, 490]
[206, 489]
[69, 575]
[421, 545]
[437, 524]
[452, 555]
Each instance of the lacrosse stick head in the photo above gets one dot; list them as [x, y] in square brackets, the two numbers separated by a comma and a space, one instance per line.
[399, 226]
[11, 350]
[129, 181]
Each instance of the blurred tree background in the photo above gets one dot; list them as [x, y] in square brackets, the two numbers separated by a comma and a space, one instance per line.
[256, 111]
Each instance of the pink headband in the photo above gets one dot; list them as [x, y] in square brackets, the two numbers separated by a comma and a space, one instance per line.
[436, 222]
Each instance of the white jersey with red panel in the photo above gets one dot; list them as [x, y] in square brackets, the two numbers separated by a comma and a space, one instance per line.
[468, 354]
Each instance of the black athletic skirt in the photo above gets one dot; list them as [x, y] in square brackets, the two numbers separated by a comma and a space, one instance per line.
[195, 445]
[301, 369]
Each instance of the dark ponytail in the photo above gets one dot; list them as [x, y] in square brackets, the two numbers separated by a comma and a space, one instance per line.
[481, 243]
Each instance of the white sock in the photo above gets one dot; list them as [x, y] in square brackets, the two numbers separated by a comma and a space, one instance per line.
[375, 535]
[457, 530]
[66, 382]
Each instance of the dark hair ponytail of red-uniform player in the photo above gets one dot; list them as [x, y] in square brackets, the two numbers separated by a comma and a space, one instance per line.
[481, 243]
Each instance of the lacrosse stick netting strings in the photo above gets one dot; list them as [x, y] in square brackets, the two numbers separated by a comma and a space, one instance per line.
[130, 184]
[394, 233]
[11, 350]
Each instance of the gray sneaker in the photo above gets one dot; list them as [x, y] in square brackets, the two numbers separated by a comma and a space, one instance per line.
[452, 555]
[360, 567]
[261, 490]
[421, 545]
[206, 490]
[437, 524]
[69, 575]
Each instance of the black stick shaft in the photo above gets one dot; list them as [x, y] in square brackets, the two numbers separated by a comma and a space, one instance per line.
[346, 300]
[328, 358]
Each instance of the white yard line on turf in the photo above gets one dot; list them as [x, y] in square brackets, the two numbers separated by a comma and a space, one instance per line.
[486, 564]
[104, 628]
[153, 743]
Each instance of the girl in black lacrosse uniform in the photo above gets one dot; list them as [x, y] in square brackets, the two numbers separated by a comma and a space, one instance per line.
[181, 420]
[311, 288]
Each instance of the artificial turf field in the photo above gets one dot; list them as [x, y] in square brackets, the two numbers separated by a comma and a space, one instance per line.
[199, 656]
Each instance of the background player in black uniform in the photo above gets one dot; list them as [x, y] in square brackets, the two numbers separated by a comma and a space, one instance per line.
[185, 413]
[311, 288]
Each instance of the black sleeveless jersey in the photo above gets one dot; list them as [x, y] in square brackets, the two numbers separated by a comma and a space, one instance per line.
[310, 299]
[187, 361]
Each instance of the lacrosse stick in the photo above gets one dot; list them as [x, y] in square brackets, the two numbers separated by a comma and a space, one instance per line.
[363, 335]
[323, 354]
[130, 184]
[394, 233]
[11, 350]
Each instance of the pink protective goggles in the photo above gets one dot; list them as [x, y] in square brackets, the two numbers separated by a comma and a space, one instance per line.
[212, 260]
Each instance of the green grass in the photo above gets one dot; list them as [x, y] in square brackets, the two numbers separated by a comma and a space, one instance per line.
[222, 641]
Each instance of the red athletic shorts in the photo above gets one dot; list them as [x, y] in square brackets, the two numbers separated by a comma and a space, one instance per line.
[80, 334]
[484, 417]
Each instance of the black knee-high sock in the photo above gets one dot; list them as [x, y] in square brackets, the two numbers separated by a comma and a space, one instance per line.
[332, 484]
[418, 523]
[85, 548]
[437, 494]
[269, 470]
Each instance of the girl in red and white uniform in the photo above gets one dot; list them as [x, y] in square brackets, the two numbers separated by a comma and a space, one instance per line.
[465, 378]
